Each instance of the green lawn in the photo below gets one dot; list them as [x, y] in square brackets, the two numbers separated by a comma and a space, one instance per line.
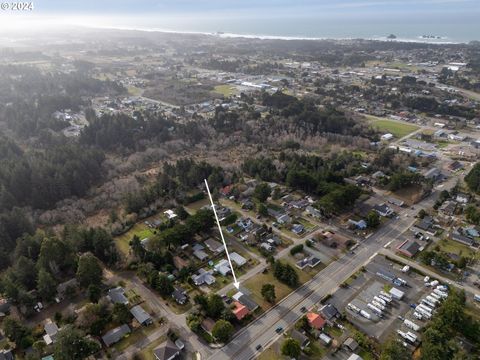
[139, 229]
[135, 336]
[254, 284]
[397, 128]
[270, 354]
[197, 205]
[226, 90]
[308, 225]
[450, 246]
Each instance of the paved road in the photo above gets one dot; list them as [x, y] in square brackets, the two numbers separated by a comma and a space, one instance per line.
[286, 312]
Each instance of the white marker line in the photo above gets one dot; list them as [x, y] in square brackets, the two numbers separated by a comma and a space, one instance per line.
[235, 282]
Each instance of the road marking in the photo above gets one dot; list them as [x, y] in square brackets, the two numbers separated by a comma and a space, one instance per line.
[235, 282]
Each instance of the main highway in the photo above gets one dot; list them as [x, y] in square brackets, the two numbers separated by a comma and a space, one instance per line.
[285, 313]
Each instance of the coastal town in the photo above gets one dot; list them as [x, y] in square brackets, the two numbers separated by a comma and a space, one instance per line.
[345, 178]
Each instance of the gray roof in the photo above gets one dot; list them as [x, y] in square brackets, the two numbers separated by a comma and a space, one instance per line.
[203, 276]
[248, 302]
[302, 339]
[179, 295]
[351, 344]
[200, 254]
[329, 311]
[214, 245]
[51, 328]
[117, 295]
[115, 335]
[140, 315]
[6, 355]
[167, 351]
[411, 247]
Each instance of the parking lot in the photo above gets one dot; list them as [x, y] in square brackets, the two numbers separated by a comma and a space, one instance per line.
[369, 284]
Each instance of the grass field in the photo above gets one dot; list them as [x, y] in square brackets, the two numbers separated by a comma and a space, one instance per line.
[254, 284]
[132, 90]
[270, 354]
[397, 128]
[225, 90]
[450, 246]
[139, 229]
[197, 205]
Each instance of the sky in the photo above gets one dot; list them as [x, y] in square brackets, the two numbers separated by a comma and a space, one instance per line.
[238, 8]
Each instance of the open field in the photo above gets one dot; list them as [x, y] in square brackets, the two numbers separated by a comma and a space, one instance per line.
[254, 284]
[135, 336]
[397, 128]
[225, 90]
[139, 229]
[450, 246]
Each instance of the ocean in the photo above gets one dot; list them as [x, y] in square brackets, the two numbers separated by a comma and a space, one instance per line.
[449, 30]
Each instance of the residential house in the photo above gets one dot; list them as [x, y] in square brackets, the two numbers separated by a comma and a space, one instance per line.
[141, 315]
[117, 296]
[426, 224]
[458, 237]
[361, 224]
[378, 175]
[409, 248]
[214, 246]
[247, 204]
[223, 267]
[298, 229]
[354, 357]
[455, 166]
[203, 277]
[310, 261]
[266, 246]
[226, 190]
[299, 204]
[167, 351]
[283, 219]
[313, 212]
[471, 232]
[6, 354]
[238, 259]
[115, 335]
[383, 210]
[51, 330]
[180, 295]
[329, 313]
[434, 174]
[200, 255]
[207, 325]
[245, 300]
[448, 208]
[316, 321]
[274, 240]
[240, 310]
[303, 340]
